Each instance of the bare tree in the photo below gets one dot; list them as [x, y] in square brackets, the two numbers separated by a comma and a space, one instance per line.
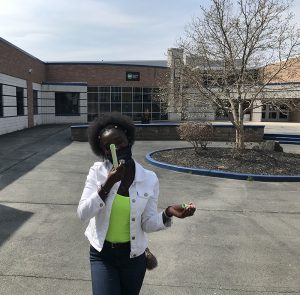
[233, 52]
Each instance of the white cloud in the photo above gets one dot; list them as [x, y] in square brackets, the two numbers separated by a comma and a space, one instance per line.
[94, 29]
[64, 25]
[56, 15]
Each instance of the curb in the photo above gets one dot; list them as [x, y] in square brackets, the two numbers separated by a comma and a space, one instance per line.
[283, 138]
[218, 173]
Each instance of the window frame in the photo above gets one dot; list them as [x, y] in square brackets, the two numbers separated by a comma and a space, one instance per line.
[35, 102]
[20, 101]
[1, 101]
[130, 101]
[59, 113]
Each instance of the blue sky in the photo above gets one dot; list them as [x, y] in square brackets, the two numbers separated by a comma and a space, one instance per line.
[92, 30]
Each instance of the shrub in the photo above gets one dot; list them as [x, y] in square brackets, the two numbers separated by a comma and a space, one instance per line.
[199, 134]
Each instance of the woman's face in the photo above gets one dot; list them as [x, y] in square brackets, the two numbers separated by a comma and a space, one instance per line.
[113, 136]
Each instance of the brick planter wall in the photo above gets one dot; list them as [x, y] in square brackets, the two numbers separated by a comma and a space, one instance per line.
[168, 131]
[253, 133]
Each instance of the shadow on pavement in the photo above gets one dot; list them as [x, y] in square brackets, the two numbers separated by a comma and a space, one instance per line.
[10, 220]
[21, 151]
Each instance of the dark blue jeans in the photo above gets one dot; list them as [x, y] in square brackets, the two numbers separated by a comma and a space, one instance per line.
[115, 273]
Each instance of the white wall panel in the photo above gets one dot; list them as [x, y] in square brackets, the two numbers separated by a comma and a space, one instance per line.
[6, 79]
[36, 86]
[9, 101]
[9, 111]
[9, 90]
[13, 124]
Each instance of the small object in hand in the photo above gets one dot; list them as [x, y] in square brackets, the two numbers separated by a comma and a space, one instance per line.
[114, 155]
[183, 206]
[151, 261]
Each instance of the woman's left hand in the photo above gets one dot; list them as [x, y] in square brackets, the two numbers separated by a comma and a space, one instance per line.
[182, 210]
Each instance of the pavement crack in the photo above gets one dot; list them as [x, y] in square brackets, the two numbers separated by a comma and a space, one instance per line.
[45, 277]
[38, 203]
[242, 211]
[248, 211]
[235, 289]
[18, 163]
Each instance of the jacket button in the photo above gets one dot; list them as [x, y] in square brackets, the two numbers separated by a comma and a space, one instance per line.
[101, 205]
[145, 194]
[133, 238]
[133, 219]
[133, 200]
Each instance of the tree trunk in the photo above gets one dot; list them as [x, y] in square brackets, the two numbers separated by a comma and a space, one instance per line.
[239, 137]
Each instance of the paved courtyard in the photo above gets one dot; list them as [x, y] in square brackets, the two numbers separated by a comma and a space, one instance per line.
[243, 239]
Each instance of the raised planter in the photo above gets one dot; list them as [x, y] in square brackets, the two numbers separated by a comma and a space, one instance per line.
[167, 131]
[219, 173]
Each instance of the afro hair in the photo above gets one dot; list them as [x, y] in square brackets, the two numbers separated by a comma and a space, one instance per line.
[107, 121]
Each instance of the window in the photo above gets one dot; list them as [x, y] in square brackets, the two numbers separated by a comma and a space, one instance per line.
[104, 107]
[1, 100]
[116, 94]
[137, 97]
[92, 97]
[93, 108]
[273, 113]
[116, 107]
[131, 101]
[126, 107]
[35, 102]
[104, 89]
[92, 89]
[137, 107]
[104, 97]
[147, 97]
[126, 97]
[66, 103]
[20, 101]
[127, 89]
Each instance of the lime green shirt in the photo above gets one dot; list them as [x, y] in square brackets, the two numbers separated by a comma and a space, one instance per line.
[119, 222]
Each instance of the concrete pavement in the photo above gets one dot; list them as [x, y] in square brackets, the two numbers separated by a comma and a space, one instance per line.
[243, 239]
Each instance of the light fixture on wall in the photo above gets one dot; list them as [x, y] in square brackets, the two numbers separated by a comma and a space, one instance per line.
[29, 71]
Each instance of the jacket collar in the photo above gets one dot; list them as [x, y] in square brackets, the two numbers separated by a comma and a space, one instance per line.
[140, 172]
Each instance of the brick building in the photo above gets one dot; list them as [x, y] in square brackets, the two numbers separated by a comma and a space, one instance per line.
[34, 92]
[286, 86]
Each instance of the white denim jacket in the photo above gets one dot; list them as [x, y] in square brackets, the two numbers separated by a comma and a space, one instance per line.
[144, 217]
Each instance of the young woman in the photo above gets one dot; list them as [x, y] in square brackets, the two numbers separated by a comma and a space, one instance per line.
[121, 207]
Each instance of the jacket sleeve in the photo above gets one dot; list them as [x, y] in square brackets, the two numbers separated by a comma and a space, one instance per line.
[90, 203]
[152, 220]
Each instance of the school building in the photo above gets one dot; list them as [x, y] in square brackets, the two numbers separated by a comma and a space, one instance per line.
[34, 92]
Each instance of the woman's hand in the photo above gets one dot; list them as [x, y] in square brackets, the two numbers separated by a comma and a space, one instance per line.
[116, 174]
[181, 211]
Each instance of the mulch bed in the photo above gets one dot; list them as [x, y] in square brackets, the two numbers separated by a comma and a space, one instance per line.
[223, 159]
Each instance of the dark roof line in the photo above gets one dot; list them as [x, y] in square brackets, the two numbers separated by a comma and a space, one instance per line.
[142, 64]
[65, 83]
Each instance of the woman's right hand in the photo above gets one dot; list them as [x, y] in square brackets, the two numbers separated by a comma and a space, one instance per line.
[116, 174]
